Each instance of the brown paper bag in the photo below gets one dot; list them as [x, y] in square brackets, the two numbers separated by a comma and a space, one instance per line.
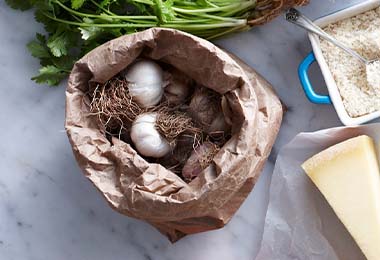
[148, 191]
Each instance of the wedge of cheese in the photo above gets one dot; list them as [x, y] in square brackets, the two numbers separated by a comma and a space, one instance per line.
[347, 174]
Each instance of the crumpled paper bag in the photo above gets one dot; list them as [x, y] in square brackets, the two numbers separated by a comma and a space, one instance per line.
[148, 191]
[299, 223]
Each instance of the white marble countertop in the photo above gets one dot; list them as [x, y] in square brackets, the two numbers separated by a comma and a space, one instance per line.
[48, 210]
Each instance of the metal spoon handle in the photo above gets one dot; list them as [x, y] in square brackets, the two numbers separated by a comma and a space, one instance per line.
[296, 17]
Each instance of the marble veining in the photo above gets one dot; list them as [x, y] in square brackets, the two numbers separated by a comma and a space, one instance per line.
[48, 210]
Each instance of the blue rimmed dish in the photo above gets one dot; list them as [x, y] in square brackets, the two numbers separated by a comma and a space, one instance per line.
[333, 97]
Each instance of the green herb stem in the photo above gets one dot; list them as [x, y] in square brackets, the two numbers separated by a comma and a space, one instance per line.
[101, 7]
[141, 25]
[101, 25]
[75, 27]
[231, 7]
[104, 16]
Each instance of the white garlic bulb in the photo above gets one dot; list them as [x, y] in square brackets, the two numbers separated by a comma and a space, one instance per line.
[146, 82]
[147, 139]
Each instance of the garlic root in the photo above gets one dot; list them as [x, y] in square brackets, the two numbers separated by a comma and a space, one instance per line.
[114, 106]
[173, 124]
[199, 160]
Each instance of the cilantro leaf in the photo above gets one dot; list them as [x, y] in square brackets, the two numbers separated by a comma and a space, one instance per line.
[61, 41]
[20, 4]
[75, 27]
[164, 11]
[90, 32]
[57, 44]
[105, 3]
[65, 63]
[50, 75]
[38, 47]
[50, 25]
[76, 4]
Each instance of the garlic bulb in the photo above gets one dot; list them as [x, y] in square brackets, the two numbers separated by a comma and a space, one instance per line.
[219, 124]
[177, 87]
[147, 139]
[146, 82]
[206, 109]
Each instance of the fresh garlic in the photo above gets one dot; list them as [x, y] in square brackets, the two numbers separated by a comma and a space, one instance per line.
[206, 109]
[147, 139]
[146, 82]
[177, 87]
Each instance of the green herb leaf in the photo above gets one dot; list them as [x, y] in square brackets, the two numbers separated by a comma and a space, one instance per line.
[90, 32]
[38, 47]
[60, 42]
[76, 4]
[97, 21]
[50, 25]
[50, 75]
[164, 11]
[106, 3]
[65, 63]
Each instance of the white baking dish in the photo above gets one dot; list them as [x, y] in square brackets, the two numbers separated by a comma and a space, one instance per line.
[334, 96]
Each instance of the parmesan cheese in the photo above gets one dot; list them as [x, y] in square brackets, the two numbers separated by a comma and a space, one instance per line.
[347, 174]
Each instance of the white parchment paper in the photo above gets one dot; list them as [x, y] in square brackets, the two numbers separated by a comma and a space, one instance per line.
[299, 223]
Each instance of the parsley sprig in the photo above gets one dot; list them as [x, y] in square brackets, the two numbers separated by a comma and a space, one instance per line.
[74, 27]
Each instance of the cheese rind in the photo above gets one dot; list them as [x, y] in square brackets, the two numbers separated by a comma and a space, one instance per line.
[347, 174]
